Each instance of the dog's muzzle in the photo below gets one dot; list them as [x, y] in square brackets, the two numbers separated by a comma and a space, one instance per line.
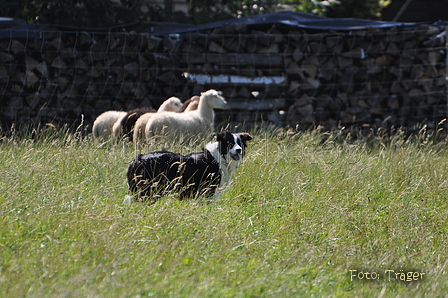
[235, 156]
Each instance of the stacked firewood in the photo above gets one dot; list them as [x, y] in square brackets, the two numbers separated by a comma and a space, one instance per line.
[279, 75]
[390, 77]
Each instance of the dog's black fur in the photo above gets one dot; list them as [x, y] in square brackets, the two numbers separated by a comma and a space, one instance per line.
[195, 174]
[163, 171]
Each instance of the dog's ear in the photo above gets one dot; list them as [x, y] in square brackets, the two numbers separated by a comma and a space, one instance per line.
[220, 136]
[245, 136]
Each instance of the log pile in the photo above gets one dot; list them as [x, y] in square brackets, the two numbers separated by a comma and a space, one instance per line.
[375, 77]
[280, 75]
[58, 79]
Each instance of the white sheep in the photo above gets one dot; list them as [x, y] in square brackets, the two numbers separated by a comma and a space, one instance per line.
[192, 123]
[103, 124]
[171, 104]
[192, 104]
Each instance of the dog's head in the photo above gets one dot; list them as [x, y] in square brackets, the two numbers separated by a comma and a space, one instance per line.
[232, 145]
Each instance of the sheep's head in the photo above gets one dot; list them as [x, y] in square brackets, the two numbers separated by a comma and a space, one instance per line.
[172, 104]
[214, 99]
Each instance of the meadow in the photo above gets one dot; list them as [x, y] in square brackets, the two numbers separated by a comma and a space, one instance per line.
[308, 214]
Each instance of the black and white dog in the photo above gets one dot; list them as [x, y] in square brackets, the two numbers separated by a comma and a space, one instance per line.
[203, 174]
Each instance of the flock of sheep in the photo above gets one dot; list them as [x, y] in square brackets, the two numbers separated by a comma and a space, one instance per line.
[193, 118]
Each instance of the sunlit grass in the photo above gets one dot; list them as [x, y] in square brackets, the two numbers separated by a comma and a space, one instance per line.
[302, 211]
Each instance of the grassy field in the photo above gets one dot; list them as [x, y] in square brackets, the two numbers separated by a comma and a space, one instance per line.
[307, 215]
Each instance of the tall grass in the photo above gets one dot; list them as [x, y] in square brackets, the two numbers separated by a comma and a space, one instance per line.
[302, 211]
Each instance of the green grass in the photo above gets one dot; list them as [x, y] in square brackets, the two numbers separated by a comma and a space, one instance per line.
[302, 211]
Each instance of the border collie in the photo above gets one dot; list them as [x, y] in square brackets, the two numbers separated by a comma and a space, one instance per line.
[202, 174]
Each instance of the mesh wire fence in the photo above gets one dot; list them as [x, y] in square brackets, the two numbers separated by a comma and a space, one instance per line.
[279, 75]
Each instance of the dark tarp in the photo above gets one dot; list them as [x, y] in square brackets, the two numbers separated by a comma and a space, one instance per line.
[19, 29]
